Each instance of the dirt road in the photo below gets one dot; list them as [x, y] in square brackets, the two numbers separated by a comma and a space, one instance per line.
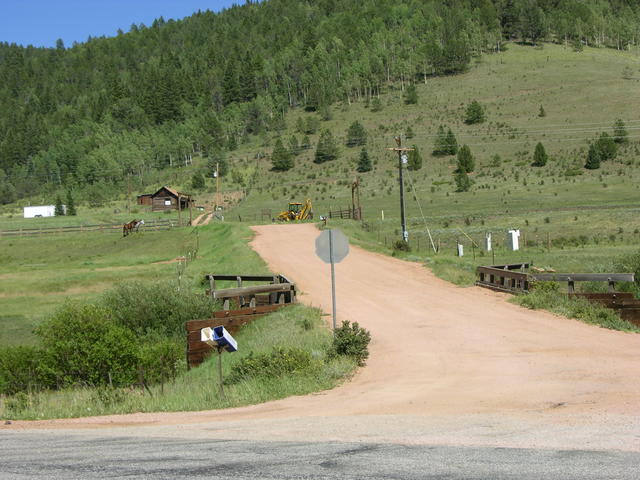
[448, 365]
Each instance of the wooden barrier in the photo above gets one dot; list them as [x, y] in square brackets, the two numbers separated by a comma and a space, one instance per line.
[346, 213]
[252, 302]
[503, 279]
[103, 228]
[232, 320]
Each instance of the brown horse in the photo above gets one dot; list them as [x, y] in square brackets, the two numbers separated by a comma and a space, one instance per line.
[132, 226]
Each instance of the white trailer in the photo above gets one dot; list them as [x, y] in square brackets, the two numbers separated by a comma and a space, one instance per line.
[41, 211]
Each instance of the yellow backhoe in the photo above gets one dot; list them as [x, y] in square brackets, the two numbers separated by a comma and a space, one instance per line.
[296, 211]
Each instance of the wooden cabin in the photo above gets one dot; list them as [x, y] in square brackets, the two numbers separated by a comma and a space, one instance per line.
[167, 198]
[145, 199]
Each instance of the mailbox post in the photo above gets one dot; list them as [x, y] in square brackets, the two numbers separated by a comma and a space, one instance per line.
[221, 340]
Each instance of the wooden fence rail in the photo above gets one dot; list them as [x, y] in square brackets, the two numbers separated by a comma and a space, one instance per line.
[252, 302]
[104, 228]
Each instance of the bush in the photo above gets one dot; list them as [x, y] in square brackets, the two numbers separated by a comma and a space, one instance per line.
[280, 361]
[160, 307]
[162, 359]
[84, 345]
[401, 246]
[351, 340]
[21, 369]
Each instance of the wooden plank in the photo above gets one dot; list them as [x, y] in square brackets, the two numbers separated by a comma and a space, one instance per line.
[246, 311]
[583, 277]
[246, 278]
[247, 291]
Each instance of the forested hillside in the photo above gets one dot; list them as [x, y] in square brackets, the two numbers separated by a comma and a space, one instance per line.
[86, 117]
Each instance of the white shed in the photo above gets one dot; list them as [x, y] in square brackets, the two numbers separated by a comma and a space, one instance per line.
[41, 211]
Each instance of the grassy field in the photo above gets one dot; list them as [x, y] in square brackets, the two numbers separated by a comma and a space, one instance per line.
[39, 273]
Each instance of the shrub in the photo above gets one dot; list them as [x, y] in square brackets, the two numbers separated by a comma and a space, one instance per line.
[158, 307]
[161, 359]
[21, 369]
[351, 340]
[280, 361]
[401, 246]
[84, 345]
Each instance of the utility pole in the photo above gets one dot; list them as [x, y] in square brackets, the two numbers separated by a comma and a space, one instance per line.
[402, 158]
[217, 174]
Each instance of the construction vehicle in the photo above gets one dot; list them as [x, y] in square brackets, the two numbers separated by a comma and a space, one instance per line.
[296, 211]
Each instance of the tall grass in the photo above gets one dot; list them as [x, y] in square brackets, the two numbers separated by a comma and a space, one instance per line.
[292, 327]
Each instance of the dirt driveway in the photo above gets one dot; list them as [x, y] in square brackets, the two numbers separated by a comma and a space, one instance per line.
[448, 365]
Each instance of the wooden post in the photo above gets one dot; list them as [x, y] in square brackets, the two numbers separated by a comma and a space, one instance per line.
[179, 212]
[190, 211]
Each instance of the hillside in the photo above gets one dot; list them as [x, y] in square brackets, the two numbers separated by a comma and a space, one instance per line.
[95, 116]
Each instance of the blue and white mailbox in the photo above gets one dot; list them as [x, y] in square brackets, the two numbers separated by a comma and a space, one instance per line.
[219, 337]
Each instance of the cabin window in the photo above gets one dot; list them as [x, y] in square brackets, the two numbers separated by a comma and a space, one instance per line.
[167, 202]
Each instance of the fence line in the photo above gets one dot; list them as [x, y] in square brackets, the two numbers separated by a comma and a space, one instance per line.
[104, 228]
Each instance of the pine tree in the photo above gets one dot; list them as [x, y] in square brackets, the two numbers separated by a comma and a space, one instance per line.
[593, 158]
[294, 147]
[59, 209]
[415, 159]
[440, 145]
[607, 147]
[411, 95]
[376, 105]
[305, 144]
[620, 132]
[539, 156]
[281, 159]
[356, 135]
[71, 206]
[197, 181]
[408, 134]
[466, 162]
[475, 113]
[463, 182]
[327, 149]
[542, 113]
[364, 162]
[452, 143]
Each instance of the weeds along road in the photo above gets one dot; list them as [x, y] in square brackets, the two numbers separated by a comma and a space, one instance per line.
[449, 367]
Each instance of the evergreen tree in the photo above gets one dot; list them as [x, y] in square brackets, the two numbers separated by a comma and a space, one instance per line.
[415, 159]
[281, 159]
[327, 148]
[539, 156]
[593, 158]
[411, 95]
[300, 125]
[466, 163]
[197, 181]
[376, 105]
[71, 205]
[364, 162]
[305, 144]
[452, 143]
[620, 132]
[356, 135]
[440, 146]
[408, 134]
[463, 182]
[232, 144]
[59, 209]
[607, 147]
[294, 147]
[475, 113]
[542, 113]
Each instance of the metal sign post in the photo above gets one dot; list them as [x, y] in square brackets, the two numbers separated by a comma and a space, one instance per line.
[332, 246]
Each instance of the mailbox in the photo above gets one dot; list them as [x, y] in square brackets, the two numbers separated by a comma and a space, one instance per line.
[219, 337]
